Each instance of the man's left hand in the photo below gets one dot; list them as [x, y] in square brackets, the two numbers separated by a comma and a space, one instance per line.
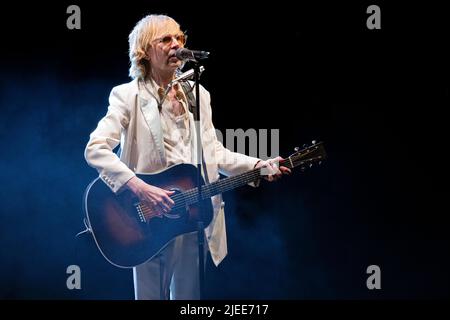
[271, 169]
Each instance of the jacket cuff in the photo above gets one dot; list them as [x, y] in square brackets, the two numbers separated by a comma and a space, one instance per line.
[116, 181]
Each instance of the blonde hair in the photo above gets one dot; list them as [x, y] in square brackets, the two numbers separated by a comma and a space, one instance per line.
[146, 30]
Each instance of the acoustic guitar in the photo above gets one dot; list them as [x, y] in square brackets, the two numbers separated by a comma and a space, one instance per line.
[128, 232]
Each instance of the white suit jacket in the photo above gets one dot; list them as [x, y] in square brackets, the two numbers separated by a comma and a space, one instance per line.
[133, 121]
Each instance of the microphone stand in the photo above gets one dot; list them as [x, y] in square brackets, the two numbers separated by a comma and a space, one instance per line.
[190, 55]
[200, 223]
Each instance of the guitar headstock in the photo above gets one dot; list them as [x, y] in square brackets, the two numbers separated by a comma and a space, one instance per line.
[306, 157]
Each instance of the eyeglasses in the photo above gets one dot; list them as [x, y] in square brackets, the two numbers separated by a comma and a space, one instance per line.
[167, 39]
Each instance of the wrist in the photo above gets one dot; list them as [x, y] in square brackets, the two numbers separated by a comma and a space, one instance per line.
[133, 184]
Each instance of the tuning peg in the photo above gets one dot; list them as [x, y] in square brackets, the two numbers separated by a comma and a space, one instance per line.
[313, 142]
[305, 146]
[296, 149]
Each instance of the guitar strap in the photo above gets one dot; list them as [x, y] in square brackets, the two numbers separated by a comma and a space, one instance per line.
[191, 101]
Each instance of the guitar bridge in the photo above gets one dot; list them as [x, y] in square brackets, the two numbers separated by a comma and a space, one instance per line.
[140, 213]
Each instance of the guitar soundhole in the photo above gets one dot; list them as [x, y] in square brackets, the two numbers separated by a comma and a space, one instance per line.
[146, 214]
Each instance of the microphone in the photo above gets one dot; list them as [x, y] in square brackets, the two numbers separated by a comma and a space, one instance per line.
[186, 54]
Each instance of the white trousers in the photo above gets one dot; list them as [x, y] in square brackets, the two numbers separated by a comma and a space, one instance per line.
[172, 274]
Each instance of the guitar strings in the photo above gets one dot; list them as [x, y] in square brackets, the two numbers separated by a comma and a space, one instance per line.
[191, 196]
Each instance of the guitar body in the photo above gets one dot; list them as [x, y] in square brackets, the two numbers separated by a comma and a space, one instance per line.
[128, 235]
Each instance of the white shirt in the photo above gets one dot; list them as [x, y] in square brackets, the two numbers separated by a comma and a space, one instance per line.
[175, 128]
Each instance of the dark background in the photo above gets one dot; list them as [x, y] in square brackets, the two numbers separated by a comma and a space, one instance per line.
[313, 71]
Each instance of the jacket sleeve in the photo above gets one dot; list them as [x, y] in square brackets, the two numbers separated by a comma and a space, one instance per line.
[106, 137]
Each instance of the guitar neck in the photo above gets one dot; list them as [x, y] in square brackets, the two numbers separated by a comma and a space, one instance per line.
[229, 183]
[303, 158]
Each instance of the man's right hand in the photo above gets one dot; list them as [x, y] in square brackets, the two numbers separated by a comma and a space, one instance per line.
[154, 197]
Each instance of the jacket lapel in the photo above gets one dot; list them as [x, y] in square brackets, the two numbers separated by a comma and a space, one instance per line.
[150, 111]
